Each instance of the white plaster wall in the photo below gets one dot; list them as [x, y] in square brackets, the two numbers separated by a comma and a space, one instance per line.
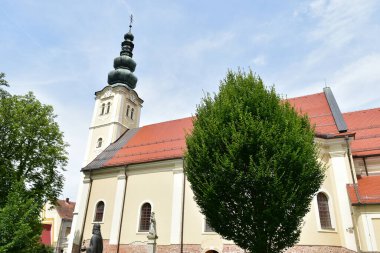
[153, 186]
[103, 189]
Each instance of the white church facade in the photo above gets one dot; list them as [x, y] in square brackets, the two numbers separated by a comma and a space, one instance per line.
[132, 171]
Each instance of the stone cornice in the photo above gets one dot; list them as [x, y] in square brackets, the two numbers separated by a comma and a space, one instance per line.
[337, 154]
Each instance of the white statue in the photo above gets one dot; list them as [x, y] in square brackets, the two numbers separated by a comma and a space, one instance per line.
[152, 227]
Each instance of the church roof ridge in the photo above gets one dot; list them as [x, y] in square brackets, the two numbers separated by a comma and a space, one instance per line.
[167, 121]
[362, 111]
[166, 140]
[305, 96]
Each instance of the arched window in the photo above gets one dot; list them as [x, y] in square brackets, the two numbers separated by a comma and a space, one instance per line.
[128, 107]
[145, 217]
[132, 111]
[103, 107]
[324, 211]
[99, 211]
[99, 143]
[108, 107]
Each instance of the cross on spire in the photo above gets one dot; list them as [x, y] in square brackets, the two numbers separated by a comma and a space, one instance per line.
[130, 22]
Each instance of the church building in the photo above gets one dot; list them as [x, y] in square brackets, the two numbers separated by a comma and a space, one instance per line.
[132, 171]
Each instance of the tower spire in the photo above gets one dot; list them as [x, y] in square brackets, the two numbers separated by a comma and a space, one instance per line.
[124, 64]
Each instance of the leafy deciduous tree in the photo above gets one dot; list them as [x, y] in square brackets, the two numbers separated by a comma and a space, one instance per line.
[252, 164]
[32, 158]
[20, 225]
[3, 82]
[31, 148]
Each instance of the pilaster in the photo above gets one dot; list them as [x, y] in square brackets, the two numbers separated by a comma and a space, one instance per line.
[79, 213]
[118, 207]
[177, 201]
[342, 178]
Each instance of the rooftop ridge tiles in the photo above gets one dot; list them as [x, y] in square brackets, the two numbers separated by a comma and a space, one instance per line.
[362, 111]
[163, 122]
[305, 96]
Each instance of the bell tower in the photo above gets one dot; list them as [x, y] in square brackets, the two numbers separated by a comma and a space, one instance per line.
[117, 105]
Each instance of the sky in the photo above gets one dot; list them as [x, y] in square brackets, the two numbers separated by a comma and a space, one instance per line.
[62, 51]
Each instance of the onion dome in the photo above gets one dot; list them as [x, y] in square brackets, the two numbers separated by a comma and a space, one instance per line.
[124, 65]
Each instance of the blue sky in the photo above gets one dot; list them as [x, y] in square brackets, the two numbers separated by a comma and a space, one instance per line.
[63, 51]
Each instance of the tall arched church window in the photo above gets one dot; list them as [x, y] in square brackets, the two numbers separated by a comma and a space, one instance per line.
[128, 108]
[145, 217]
[324, 211]
[132, 111]
[103, 107]
[108, 107]
[99, 143]
[99, 211]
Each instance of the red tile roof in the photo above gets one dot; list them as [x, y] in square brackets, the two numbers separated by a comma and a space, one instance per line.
[155, 142]
[366, 124]
[65, 209]
[318, 110]
[166, 140]
[368, 190]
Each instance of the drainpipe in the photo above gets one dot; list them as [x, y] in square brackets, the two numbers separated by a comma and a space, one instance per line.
[85, 214]
[122, 208]
[365, 166]
[183, 204]
[351, 169]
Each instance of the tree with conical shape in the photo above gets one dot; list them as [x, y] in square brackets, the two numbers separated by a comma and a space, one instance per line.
[253, 164]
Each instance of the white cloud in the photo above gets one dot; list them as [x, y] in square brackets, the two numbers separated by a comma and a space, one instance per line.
[217, 41]
[339, 20]
[357, 84]
[259, 60]
[262, 38]
[340, 39]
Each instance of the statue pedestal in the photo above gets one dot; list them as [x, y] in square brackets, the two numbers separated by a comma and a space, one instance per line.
[152, 236]
[151, 245]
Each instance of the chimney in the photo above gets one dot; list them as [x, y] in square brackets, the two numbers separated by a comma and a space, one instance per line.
[67, 201]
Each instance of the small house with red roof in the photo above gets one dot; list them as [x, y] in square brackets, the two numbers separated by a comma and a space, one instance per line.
[56, 224]
[131, 172]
